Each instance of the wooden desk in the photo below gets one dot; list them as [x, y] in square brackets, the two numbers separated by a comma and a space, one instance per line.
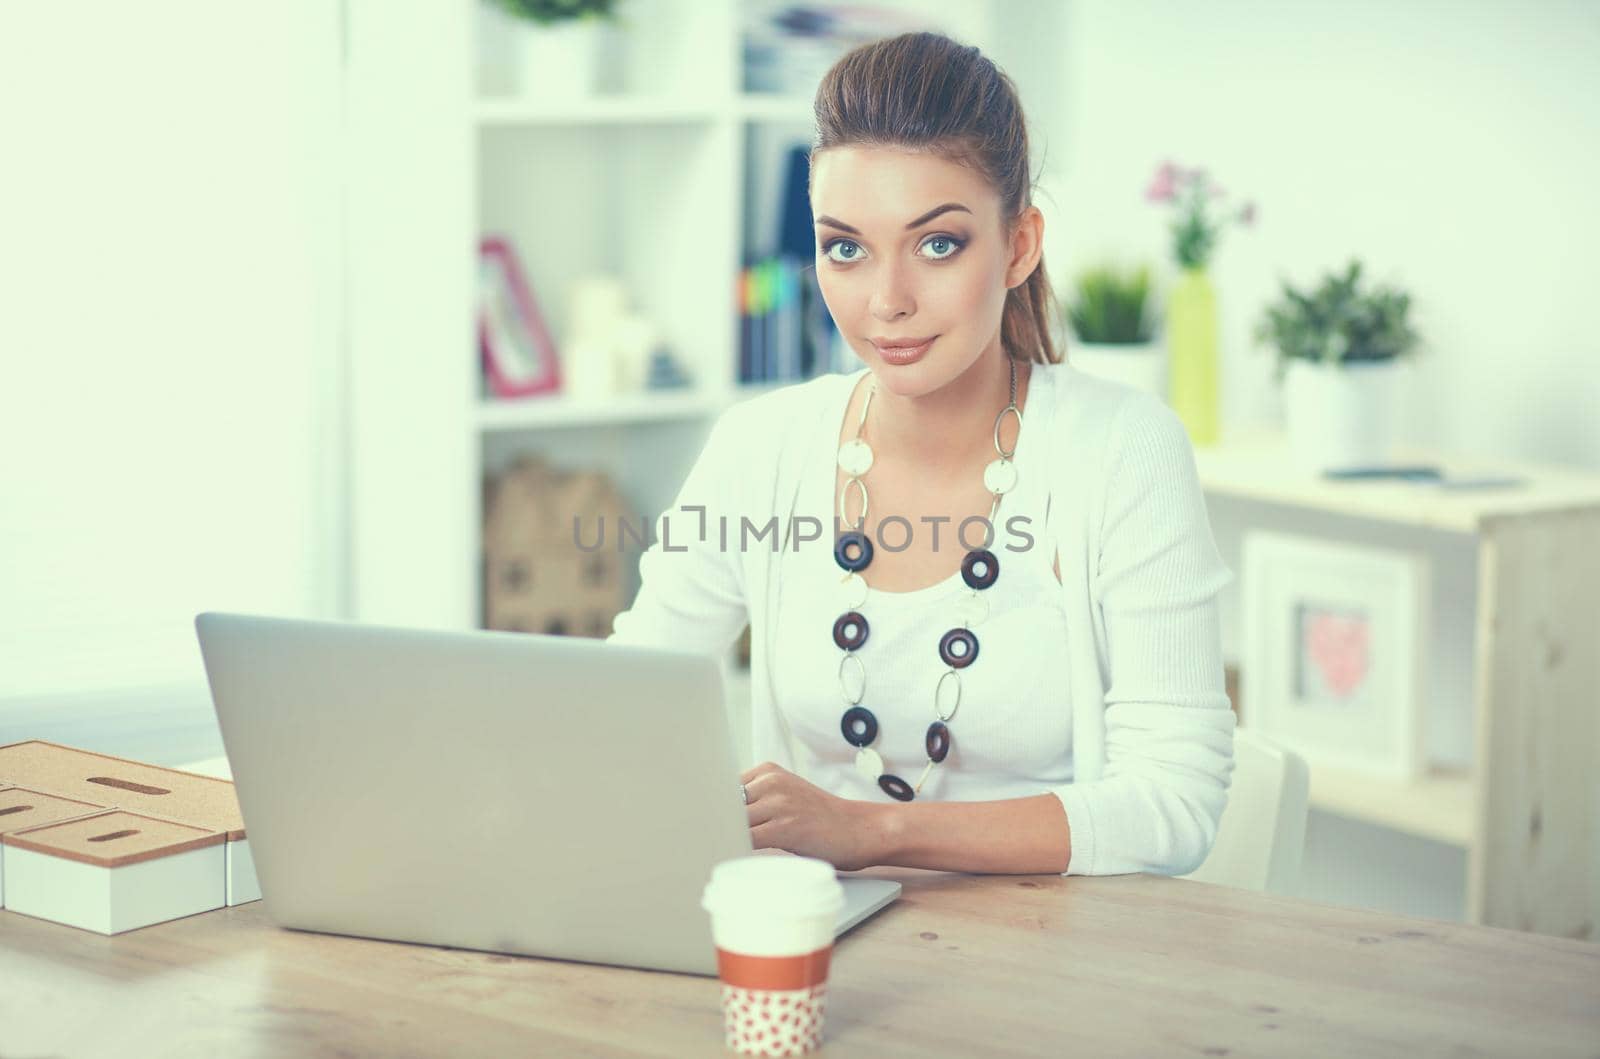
[960, 965]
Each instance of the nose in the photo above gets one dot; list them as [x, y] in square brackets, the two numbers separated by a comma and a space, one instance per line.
[891, 297]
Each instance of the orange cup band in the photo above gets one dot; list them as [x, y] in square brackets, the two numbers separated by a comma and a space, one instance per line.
[774, 972]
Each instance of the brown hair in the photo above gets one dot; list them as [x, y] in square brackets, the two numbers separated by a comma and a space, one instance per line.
[925, 91]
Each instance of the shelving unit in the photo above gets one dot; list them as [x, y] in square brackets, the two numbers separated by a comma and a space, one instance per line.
[1526, 810]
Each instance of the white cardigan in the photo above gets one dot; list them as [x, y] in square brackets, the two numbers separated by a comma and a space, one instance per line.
[1152, 729]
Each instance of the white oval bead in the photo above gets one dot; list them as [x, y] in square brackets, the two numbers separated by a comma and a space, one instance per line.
[945, 702]
[1001, 449]
[855, 457]
[861, 516]
[1000, 476]
[852, 690]
[869, 763]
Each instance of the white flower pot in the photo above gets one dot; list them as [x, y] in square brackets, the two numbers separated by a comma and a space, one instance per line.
[1342, 415]
[1142, 365]
[560, 61]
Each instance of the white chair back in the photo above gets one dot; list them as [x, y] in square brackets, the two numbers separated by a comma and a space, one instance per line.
[1263, 828]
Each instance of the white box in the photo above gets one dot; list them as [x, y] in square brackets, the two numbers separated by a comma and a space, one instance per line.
[114, 871]
[22, 808]
[205, 801]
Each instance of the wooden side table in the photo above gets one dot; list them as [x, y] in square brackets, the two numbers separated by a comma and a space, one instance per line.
[1528, 811]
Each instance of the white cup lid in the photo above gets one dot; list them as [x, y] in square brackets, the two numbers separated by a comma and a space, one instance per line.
[783, 886]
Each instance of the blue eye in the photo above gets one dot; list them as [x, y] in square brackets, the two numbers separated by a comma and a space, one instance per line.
[828, 248]
[948, 240]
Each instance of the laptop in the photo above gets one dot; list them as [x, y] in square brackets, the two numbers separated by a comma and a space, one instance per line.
[509, 792]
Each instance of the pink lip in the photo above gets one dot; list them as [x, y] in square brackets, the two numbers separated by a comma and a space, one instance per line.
[903, 354]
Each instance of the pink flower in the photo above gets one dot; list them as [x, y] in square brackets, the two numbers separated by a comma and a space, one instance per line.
[1163, 186]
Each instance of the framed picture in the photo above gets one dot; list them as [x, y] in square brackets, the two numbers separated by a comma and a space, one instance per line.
[518, 354]
[1334, 650]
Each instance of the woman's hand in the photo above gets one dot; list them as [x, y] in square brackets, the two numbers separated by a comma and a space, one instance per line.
[788, 813]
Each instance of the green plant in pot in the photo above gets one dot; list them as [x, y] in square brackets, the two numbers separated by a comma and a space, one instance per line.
[1111, 315]
[556, 44]
[1340, 350]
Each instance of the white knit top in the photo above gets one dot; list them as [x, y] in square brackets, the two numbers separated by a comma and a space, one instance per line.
[1142, 770]
[1012, 731]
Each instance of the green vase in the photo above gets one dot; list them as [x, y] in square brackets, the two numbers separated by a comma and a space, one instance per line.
[1192, 354]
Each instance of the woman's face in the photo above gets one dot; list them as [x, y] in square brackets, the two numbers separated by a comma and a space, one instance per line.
[910, 247]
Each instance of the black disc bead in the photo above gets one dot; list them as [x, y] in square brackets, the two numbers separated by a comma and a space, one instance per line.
[896, 788]
[860, 728]
[843, 544]
[980, 568]
[938, 741]
[947, 648]
[850, 631]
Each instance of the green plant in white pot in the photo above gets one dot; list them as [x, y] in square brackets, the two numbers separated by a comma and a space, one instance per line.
[1340, 355]
[556, 44]
[1111, 316]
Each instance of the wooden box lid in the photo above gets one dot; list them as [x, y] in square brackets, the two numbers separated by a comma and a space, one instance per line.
[203, 801]
[114, 838]
[23, 807]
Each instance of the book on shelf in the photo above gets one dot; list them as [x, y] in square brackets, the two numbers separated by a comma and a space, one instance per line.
[783, 323]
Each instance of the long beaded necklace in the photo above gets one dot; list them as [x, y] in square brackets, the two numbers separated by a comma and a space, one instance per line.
[958, 648]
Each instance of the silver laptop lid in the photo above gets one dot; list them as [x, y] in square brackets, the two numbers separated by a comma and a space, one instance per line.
[510, 792]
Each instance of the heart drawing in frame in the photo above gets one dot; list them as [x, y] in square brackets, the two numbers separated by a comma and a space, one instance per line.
[1339, 646]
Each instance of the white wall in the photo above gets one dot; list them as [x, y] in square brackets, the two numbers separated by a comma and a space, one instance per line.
[1453, 146]
[169, 294]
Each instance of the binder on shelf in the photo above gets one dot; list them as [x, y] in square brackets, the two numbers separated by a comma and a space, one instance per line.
[778, 338]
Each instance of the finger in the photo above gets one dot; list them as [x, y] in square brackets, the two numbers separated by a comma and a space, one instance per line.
[766, 836]
[759, 770]
[761, 813]
[764, 784]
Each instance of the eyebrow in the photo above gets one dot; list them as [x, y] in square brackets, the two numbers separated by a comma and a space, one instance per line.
[924, 219]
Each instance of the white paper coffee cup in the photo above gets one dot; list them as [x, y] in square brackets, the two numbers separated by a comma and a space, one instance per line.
[772, 923]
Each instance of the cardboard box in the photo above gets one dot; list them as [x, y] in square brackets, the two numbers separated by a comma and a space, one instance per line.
[206, 802]
[537, 578]
[22, 808]
[114, 871]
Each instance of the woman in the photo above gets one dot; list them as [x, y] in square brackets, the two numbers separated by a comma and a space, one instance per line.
[1007, 657]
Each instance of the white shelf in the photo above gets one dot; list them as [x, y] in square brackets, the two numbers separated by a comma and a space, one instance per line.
[649, 406]
[544, 412]
[1437, 805]
[513, 111]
